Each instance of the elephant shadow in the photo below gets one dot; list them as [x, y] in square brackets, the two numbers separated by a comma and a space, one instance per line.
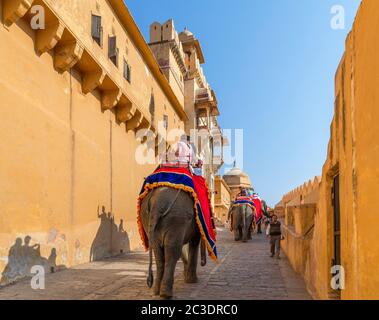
[111, 239]
[23, 256]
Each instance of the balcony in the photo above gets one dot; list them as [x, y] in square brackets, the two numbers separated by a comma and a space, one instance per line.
[206, 101]
[203, 95]
[202, 122]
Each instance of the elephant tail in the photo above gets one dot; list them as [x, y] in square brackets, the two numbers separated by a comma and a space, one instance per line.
[155, 218]
[150, 275]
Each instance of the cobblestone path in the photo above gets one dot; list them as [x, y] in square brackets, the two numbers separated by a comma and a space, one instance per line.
[246, 271]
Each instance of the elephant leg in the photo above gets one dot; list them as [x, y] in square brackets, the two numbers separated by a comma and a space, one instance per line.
[249, 236]
[237, 234]
[240, 233]
[172, 255]
[185, 256]
[203, 253]
[244, 235]
[160, 262]
[193, 253]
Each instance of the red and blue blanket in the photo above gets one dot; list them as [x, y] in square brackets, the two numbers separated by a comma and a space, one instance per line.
[258, 205]
[196, 186]
[241, 200]
[244, 200]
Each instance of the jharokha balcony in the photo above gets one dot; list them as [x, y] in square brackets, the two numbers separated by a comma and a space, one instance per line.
[206, 102]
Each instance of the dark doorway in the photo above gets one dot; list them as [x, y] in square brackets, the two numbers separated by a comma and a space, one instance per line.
[336, 221]
[336, 225]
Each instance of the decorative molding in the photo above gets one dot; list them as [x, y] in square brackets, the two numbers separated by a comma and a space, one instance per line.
[67, 55]
[91, 80]
[110, 99]
[13, 10]
[48, 38]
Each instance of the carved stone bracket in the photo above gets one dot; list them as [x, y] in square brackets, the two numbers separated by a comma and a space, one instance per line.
[125, 111]
[144, 125]
[91, 80]
[110, 99]
[135, 122]
[67, 55]
[13, 10]
[48, 38]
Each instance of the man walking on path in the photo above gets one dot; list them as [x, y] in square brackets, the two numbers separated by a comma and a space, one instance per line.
[274, 230]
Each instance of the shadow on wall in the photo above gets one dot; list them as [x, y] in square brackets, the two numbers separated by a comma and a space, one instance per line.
[22, 257]
[110, 239]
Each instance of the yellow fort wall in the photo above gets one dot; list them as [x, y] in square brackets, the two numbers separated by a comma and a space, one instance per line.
[62, 156]
[353, 154]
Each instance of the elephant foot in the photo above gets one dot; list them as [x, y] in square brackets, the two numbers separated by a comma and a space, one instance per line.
[156, 291]
[191, 279]
[167, 294]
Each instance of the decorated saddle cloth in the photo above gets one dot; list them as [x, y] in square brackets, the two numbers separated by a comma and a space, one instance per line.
[182, 179]
[241, 200]
[244, 200]
[258, 205]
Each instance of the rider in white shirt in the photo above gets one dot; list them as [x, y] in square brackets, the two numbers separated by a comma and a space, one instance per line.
[181, 153]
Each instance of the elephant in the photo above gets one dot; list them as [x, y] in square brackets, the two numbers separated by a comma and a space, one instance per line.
[169, 221]
[242, 219]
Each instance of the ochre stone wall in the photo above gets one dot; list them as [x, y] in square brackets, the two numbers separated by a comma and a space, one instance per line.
[62, 157]
[221, 199]
[353, 155]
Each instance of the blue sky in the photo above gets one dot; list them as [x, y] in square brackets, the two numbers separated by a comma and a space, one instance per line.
[272, 64]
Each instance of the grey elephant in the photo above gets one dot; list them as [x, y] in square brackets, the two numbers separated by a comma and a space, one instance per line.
[169, 221]
[242, 220]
